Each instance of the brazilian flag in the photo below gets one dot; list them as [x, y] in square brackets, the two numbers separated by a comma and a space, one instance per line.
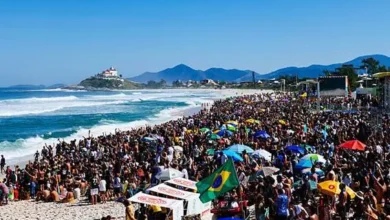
[221, 181]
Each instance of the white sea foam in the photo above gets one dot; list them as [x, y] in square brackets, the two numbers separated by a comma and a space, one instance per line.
[22, 148]
[35, 100]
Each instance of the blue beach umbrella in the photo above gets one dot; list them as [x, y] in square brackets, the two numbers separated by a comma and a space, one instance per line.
[302, 164]
[233, 155]
[224, 132]
[295, 149]
[261, 134]
[239, 148]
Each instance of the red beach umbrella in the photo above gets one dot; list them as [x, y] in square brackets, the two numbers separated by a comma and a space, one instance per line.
[353, 145]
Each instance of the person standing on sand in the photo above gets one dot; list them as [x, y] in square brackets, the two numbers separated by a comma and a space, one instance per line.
[129, 210]
[2, 163]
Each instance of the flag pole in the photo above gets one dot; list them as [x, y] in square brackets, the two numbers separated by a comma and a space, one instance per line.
[240, 196]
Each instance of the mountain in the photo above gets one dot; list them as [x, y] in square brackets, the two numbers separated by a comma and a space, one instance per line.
[317, 70]
[185, 73]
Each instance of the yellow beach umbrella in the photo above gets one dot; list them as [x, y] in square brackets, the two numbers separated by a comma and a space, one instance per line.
[216, 131]
[252, 121]
[304, 95]
[189, 131]
[332, 188]
[232, 122]
[262, 110]
[282, 122]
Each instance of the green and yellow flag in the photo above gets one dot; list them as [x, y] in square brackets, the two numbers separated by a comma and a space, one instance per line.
[221, 181]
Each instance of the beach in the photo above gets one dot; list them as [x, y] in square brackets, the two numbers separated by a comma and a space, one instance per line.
[30, 210]
[50, 115]
[83, 210]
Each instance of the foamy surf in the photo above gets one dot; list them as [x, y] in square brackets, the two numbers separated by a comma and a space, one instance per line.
[23, 148]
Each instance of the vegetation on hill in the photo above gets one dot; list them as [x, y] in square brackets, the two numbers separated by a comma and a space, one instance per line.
[99, 83]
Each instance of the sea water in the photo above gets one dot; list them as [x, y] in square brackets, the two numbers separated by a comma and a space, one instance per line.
[31, 118]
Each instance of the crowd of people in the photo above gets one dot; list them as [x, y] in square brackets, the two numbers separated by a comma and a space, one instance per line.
[117, 166]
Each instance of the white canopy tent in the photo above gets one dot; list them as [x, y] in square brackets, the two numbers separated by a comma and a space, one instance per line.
[176, 206]
[193, 204]
[182, 182]
[168, 174]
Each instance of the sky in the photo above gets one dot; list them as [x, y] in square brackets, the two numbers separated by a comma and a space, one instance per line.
[47, 42]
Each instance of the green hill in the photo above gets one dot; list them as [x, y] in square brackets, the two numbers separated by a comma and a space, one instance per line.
[101, 83]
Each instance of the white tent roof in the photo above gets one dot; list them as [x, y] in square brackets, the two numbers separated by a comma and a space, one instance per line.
[170, 191]
[155, 200]
[183, 183]
[168, 174]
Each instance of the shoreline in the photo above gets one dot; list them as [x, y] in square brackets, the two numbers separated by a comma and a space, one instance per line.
[83, 210]
[159, 118]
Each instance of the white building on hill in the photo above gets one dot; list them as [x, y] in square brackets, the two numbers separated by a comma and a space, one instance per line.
[109, 74]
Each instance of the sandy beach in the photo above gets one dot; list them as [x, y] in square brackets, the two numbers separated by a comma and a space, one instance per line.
[28, 210]
[83, 210]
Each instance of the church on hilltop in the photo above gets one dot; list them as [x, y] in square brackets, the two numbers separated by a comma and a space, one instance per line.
[109, 73]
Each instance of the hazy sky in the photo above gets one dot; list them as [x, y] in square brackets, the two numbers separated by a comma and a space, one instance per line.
[47, 41]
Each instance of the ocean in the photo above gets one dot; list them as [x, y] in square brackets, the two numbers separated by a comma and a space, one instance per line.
[31, 118]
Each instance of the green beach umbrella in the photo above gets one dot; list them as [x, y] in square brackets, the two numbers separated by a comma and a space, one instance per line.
[210, 152]
[231, 127]
[214, 137]
[204, 130]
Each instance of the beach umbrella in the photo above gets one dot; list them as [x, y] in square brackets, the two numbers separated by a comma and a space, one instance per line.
[235, 156]
[267, 171]
[263, 154]
[148, 139]
[224, 133]
[168, 174]
[283, 122]
[231, 127]
[235, 123]
[178, 148]
[353, 145]
[295, 149]
[314, 157]
[214, 137]
[252, 121]
[262, 110]
[261, 134]
[239, 148]
[304, 164]
[332, 188]
[204, 130]
[304, 95]
[210, 152]
[317, 171]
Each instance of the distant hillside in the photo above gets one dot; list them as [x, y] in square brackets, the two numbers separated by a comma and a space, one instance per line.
[317, 70]
[94, 83]
[185, 73]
